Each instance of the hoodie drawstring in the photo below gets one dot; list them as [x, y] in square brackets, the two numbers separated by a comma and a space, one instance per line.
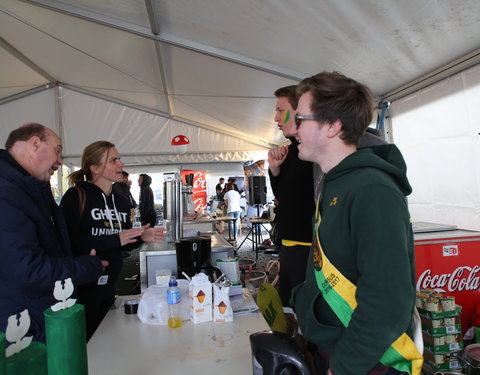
[116, 214]
[107, 209]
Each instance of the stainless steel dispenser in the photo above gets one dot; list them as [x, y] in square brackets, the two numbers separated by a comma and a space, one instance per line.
[187, 191]
[172, 209]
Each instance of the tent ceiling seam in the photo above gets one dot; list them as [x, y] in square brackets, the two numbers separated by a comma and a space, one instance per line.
[155, 26]
[114, 100]
[230, 133]
[24, 59]
[245, 137]
[26, 93]
[161, 67]
[164, 114]
[437, 75]
[170, 40]
[25, 22]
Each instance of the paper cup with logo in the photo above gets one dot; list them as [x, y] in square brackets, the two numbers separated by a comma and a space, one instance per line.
[450, 339]
[448, 303]
[440, 340]
[419, 302]
[449, 321]
[432, 304]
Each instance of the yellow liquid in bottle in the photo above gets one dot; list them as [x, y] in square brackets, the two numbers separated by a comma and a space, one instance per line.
[175, 322]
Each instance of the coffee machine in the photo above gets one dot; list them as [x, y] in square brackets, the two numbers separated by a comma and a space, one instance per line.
[192, 254]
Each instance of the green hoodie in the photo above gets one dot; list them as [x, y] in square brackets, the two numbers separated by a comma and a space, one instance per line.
[366, 234]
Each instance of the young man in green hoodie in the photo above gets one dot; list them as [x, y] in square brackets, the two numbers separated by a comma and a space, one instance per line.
[358, 300]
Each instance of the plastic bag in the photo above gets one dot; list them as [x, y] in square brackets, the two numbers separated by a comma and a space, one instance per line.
[153, 308]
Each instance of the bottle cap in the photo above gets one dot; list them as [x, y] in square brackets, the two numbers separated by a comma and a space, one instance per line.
[173, 281]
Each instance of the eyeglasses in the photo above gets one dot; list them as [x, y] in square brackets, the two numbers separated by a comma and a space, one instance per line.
[300, 118]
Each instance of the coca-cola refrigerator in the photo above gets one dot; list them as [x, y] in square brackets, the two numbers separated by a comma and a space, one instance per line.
[448, 260]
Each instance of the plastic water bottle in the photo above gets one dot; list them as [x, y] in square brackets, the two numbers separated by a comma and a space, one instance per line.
[173, 301]
[136, 220]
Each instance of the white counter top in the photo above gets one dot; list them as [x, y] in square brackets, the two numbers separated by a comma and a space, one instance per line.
[122, 345]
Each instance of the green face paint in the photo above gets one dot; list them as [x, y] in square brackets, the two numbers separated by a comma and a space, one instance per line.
[286, 116]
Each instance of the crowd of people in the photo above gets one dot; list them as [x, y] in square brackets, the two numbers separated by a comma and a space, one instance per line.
[347, 263]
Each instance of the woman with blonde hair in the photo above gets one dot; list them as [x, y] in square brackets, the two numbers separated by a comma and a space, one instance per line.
[99, 218]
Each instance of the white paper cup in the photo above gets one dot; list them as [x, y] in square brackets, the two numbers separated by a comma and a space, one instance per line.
[448, 303]
[450, 339]
[432, 304]
[448, 321]
[439, 340]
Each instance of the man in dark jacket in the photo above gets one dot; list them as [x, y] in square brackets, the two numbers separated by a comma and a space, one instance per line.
[34, 247]
[292, 184]
[146, 203]
[123, 188]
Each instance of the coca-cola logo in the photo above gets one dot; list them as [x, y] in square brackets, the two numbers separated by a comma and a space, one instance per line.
[199, 204]
[199, 181]
[462, 278]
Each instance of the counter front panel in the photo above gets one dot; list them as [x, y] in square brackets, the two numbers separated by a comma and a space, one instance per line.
[154, 257]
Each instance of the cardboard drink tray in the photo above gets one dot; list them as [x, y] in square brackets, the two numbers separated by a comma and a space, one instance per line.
[432, 368]
[442, 349]
[442, 330]
[437, 315]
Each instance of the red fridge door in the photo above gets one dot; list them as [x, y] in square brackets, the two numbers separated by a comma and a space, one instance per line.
[449, 261]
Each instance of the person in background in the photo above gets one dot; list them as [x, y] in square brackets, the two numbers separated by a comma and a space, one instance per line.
[231, 181]
[123, 188]
[99, 218]
[358, 300]
[232, 200]
[146, 202]
[35, 247]
[292, 183]
[274, 237]
[219, 188]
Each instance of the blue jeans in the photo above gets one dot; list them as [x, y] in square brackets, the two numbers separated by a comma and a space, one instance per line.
[234, 223]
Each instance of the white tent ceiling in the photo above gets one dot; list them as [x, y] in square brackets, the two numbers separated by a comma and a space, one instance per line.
[138, 72]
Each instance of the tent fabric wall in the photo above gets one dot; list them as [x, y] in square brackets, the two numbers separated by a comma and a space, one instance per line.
[87, 119]
[438, 132]
[39, 107]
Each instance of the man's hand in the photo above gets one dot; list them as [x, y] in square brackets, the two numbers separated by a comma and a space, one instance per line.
[153, 234]
[93, 253]
[276, 157]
